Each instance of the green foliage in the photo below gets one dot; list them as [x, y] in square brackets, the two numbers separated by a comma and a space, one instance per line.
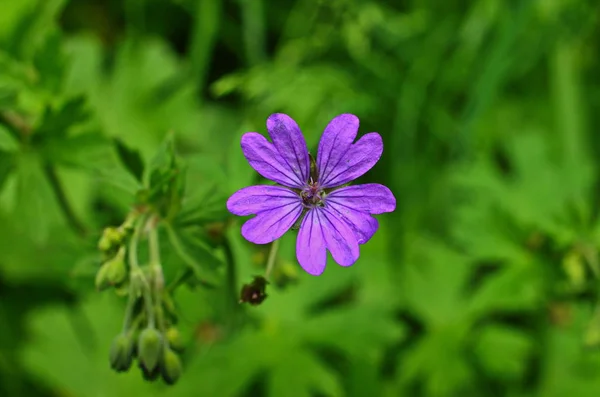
[120, 128]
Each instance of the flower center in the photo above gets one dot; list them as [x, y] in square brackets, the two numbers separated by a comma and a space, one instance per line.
[312, 195]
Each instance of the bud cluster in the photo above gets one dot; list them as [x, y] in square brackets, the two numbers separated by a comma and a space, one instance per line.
[113, 271]
[149, 333]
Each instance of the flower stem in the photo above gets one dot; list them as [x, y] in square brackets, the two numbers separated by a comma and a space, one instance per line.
[157, 273]
[271, 260]
[63, 202]
[231, 292]
[137, 275]
[129, 309]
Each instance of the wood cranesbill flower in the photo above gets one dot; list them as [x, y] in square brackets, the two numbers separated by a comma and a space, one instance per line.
[333, 217]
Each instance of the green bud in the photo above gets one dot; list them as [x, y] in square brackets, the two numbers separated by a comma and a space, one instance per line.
[117, 269]
[170, 367]
[112, 237]
[174, 339]
[101, 278]
[149, 348]
[121, 353]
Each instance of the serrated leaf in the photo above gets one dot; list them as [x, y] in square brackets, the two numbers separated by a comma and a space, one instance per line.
[513, 288]
[131, 159]
[56, 123]
[89, 151]
[166, 180]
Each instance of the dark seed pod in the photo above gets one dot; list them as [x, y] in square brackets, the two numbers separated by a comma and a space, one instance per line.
[255, 292]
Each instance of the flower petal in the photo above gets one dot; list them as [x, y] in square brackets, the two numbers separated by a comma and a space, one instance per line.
[335, 142]
[269, 225]
[310, 245]
[339, 237]
[363, 225]
[266, 160]
[254, 199]
[290, 144]
[371, 198]
[357, 160]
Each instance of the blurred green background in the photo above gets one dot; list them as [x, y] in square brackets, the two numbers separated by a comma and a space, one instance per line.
[483, 282]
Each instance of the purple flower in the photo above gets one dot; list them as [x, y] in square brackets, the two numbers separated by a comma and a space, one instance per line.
[334, 218]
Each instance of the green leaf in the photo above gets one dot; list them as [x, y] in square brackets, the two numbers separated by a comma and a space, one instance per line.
[285, 378]
[131, 159]
[35, 205]
[166, 180]
[56, 123]
[6, 166]
[196, 255]
[7, 140]
[503, 352]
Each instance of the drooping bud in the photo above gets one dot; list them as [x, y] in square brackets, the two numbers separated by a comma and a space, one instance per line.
[117, 269]
[121, 353]
[113, 271]
[174, 339]
[149, 348]
[255, 292]
[170, 366]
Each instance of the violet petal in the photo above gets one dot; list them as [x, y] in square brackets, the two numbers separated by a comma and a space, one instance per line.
[269, 225]
[371, 198]
[336, 140]
[266, 160]
[290, 144]
[363, 225]
[254, 199]
[357, 160]
[339, 237]
[310, 245]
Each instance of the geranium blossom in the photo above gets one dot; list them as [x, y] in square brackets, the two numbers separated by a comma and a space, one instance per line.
[333, 217]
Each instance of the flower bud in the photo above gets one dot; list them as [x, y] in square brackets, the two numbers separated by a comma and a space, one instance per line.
[111, 238]
[121, 353]
[170, 366]
[117, 269]
[101, 278]
[149, 348]
[174, 339]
